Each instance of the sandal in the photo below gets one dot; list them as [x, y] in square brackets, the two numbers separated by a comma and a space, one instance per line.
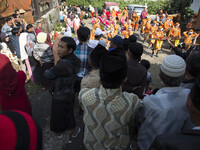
[78, 130]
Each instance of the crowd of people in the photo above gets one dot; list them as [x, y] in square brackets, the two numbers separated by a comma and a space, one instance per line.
[109, 76]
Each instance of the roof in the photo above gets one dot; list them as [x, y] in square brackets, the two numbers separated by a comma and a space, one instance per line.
[111, 3]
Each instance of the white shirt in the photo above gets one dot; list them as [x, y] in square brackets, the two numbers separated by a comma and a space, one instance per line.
[164, 112]
[93, 43]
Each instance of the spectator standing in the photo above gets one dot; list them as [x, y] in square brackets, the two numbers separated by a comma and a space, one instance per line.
[13, 94]
[137, 74]
[108, 110]
[64, 74]
[185, 140]
[7, 27]
[42, 53]
[98, 34]
[165, 112]
[14, 38]
[38, 28]
[76, 23]
[82, 52]
[92, 79]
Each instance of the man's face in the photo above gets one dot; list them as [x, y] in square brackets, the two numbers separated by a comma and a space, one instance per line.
[7, 39]
[9, 23]
[63, 50]
[39, 25]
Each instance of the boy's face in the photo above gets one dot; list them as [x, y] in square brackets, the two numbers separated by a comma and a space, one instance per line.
[63, 50]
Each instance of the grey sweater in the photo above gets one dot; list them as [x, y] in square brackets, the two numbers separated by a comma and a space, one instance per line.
[43, 51]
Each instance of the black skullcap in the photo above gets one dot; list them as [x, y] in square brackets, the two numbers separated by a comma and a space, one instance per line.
[114, 67]
[96, 55]
[193, 64]
[195, 93]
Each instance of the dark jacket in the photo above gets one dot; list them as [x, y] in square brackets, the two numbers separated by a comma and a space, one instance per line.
[137, 77]
[183, 141]
[15, 42]
[63, 93]
[9, 44]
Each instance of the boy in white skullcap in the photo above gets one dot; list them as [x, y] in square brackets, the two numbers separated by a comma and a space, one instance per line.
[165, 112]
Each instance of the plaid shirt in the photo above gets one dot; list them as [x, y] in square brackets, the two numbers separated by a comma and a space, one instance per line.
[82, 52]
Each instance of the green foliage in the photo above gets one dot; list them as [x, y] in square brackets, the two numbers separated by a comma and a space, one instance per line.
[59, 27]
[172, 6]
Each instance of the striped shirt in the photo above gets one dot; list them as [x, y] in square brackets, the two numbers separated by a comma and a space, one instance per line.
[82, 52]
[43, 51]
[107, 113]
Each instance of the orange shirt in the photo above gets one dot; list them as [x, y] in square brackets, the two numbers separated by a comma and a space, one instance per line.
[153, 29]
[148, 27]
[125, 34]
[190, 25]
[113, 13]
[135, 18]
[175, 32]
[159, 34]
[144, 21]
[119, 15]
[188, 38]
[166, 25]
[115, 27]
[125, 13]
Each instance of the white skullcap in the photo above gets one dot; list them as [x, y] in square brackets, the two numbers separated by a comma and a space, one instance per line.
[41, 37]
[98, 32]
[173, 66]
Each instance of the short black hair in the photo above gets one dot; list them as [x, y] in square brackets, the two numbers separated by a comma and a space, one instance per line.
[97, 36]
[125, 44]
[193, 63]
[8, 19]
[113, 70]
[132, 39]
[29, 26]
[14, 15]
[70, 42]
[16, 11]
[96, 55]
[83, 34]
[15, 30]
[136, 49]
[171, 81]
[145, 63]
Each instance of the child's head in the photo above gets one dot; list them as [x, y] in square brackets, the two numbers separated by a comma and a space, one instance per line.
[135, 51]
[145, 63]
[132, 39]
[113, 70]
[66, 46]
[16, 31]
[96, 55]
[83, 34]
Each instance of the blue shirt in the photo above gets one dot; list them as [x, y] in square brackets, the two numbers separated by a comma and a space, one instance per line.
[6, 29]
[15, 42]
[82, 52]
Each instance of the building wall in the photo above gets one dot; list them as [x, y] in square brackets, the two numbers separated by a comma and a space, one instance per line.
[50, 19]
